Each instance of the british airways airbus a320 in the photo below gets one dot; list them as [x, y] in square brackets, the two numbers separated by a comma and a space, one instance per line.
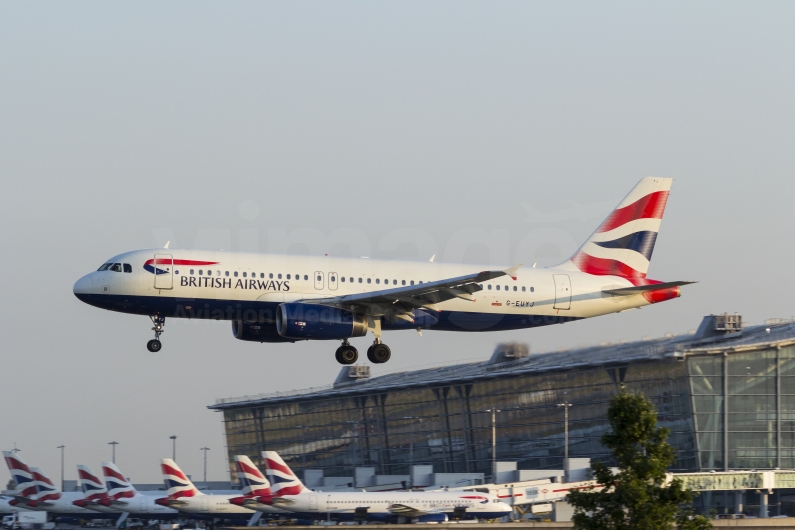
[274, 298]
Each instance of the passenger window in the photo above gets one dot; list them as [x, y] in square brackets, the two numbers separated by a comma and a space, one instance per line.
[402, 282]
[507, 288]
[342, 279]
[514, 288]
[279, 276]
[235, 274]
[191, 272]
[127, 267]
[360, 280]
[270, 276]
[489, 287]
[226, 273]
[523, 289]
[369, 280]
[412, 282]
[306, 276]
[532, 289]
[244, 275]
[319, 278]
[288, 276]
[498, 287]
[201, 272]
[104, 267]
[377, 280]
[333, 278]
[394, 282]
[351, 279]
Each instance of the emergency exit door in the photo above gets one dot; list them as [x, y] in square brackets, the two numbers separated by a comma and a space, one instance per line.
[164, 271]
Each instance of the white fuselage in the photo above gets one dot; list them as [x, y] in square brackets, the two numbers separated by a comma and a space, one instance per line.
[211, 506]
[246, 286]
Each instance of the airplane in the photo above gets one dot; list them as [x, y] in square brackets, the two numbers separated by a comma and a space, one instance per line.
[278, 298]
[94, 491]
[123, 496]
[289, 493]
[254, 486]
[185, 497]
[35, 491]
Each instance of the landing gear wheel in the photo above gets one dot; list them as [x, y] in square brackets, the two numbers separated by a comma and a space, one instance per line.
[346, 354]
[379, 353]
[154, 345]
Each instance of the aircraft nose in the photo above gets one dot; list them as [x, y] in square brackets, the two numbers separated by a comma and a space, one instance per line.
[82, 286]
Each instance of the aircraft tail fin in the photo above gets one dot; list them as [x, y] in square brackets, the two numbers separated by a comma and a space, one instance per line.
[177, 483]
[46, 490]
[251, 478]
[90, 484]
[118, 485]
[20, 474]
[623, 244]
[283, 480]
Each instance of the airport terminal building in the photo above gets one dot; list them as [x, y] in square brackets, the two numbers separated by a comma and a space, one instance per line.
[726, 393]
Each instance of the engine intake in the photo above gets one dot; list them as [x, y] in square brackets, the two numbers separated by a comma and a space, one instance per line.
[319, 322]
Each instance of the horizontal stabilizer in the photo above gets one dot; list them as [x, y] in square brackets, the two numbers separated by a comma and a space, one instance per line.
[627, 291]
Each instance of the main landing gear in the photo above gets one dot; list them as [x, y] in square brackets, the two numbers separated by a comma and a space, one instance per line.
[379, 352]
[159, 322]
[346, 354]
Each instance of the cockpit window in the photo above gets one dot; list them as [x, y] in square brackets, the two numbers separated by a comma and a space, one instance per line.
[116, 267]
[127, 267]
[104, 266]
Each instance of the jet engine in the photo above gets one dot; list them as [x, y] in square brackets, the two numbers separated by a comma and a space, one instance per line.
[257, 332]
[318, 322]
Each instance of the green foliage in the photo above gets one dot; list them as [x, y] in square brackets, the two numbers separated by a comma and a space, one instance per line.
[11, 484]
[637, 497]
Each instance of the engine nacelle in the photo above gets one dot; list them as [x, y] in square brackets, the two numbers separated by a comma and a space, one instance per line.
[257, 332]
[318, 322]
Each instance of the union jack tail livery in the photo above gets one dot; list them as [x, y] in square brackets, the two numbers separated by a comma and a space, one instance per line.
[45, 489]
[92, 487]
[283, 480]
[118, 486]
[177, 483]
[623, 243]
[21, 474]
[251, 478]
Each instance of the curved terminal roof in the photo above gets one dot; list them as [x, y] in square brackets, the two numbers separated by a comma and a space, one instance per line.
[707, 340]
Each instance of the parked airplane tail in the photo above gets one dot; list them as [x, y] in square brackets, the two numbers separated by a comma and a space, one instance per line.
[46, 490]
[177, 483]
[623, 244]
[283, 480]
[251, 478]
[90, 484]
[21, 474]
[118, 486]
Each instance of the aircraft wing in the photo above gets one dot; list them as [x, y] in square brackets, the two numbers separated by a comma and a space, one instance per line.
[406, 511]
[625, 291]
[401, 301]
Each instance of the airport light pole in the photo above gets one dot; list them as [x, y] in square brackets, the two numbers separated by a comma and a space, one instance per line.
[113, 444]
[565, 406]
[493, 443]
[205, 449]
[174, 447]
[61, 447]
[411, 447]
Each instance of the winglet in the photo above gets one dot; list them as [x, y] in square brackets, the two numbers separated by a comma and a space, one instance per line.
[167, 244]
[512, 271]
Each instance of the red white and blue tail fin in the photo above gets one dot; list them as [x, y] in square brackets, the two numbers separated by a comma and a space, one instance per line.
[177, 483]
[251, 478]
[20, 474]
[90, 484]
[46, 490]
[283, 480]
[623, 244]
[118, 486]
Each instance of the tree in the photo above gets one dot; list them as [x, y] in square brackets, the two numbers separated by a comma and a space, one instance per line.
[637, 497]
[11, 485]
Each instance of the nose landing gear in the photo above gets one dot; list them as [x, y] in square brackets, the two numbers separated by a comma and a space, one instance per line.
[159, 322]
[346, 354]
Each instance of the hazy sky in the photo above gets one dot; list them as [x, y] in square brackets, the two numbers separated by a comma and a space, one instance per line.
[493, 132]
